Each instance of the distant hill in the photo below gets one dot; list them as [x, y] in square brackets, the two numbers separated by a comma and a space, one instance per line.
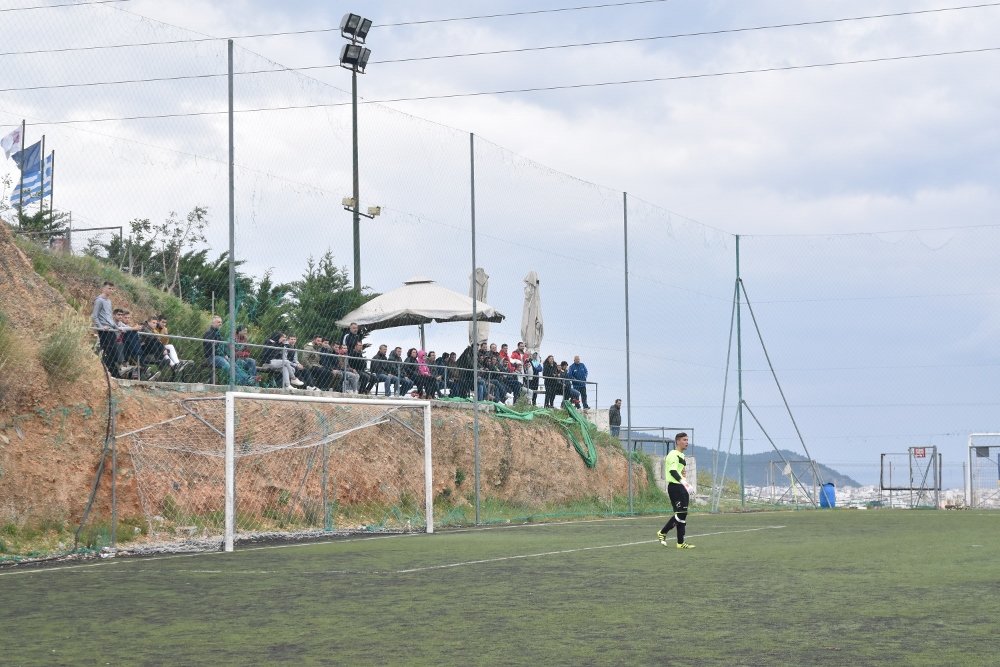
[756, 467]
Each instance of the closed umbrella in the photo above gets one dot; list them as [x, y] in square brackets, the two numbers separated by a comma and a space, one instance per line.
[478, 284]
[532, 327]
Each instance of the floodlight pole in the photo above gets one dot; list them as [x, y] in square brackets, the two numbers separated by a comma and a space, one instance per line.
[232, 233]
[356, 212]
[628, 358]
[739, 371]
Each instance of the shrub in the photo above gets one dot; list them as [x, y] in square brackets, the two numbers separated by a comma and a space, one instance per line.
[63, 353]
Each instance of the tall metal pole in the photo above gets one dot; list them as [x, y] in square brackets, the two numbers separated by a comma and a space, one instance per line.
[41, 173]
[232, 233]
[356, 192]
[20, 192]
[628, 359]
[475, 323]
[739, 371]
[52, 185]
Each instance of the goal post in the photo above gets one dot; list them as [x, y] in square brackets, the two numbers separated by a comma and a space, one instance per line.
[983, 474]
[369, 413]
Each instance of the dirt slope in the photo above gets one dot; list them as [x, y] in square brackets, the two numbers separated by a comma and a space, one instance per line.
[52, 432]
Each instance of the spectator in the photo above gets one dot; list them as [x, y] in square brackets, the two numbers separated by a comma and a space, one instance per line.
[245, 363]
[424, 380]
[396, 361]
[578, 373]
[510, 377]
[330, 363]
[439, 369]
[359, 365]
[452, 376]
[615, 418]
[214, 348]
[351, 336]
[152, 348]
[383, 371]
[128, 336]
[275, 357]
[351, 379]
[519, 360]
[533, 370]
[162, 331]
[550, 372]
[316, 374]
[570, 393]
[103, 320]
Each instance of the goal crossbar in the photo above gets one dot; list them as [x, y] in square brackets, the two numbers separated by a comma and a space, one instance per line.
[230, 453]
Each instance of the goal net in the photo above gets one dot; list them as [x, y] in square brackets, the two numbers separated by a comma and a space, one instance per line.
[916, 474]
[984, 470]
[250, 467]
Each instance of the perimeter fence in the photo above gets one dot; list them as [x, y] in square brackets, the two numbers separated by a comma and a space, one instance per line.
[840, 347]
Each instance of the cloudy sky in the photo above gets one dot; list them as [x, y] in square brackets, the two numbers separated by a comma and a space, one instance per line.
[865, 195]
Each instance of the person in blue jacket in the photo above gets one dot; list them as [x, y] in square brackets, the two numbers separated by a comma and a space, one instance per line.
[578, 373]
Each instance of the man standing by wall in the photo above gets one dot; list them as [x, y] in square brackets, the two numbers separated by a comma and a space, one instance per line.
[615, 418]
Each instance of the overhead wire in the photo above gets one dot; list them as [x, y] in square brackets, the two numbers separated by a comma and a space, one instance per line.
[535, 89]
[704, 33]
[65, 4]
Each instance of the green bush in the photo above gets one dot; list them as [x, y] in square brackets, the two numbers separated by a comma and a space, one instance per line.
[63, 352]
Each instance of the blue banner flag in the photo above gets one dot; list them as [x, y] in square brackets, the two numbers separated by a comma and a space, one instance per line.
[32, 185]
[30, 159]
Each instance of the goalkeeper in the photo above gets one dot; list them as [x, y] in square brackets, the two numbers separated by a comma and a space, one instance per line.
[677, 489]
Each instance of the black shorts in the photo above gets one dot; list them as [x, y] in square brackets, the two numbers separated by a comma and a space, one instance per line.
[678, 497]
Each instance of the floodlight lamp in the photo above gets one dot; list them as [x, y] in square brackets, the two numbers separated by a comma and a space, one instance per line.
[363, 60]
[349, 56]
[374, 210]
[355, 27]
[348, 202]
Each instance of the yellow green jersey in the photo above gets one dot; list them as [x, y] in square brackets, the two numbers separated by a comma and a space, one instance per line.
[673, 467]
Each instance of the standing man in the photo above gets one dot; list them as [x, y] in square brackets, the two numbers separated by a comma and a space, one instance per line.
[578, 372]
[103, 320]
[615, 418]
[677, 491]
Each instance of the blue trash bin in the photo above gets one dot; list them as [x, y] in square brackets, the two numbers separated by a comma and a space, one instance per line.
[828, 495]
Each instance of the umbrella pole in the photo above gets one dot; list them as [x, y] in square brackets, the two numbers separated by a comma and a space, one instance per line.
[423, 340]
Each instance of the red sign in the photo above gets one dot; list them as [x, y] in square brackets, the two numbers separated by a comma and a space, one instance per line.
[919, 452]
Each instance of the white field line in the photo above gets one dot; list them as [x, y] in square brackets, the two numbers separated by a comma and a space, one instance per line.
[138, 560]
[569, 551]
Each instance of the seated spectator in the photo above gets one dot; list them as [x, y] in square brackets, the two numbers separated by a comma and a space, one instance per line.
[245, 362]
[153, 351]
[275, 357]
[438, 370]
[383, 371]
[396, 362]
[410, 369]
[131, 345]
[317, 374]
[161, 331]
[350, 379]
[214, 348]
[510, 377]
[359, 365]
[424, 380]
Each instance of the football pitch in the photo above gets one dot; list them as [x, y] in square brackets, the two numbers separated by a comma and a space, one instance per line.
[778, 588]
